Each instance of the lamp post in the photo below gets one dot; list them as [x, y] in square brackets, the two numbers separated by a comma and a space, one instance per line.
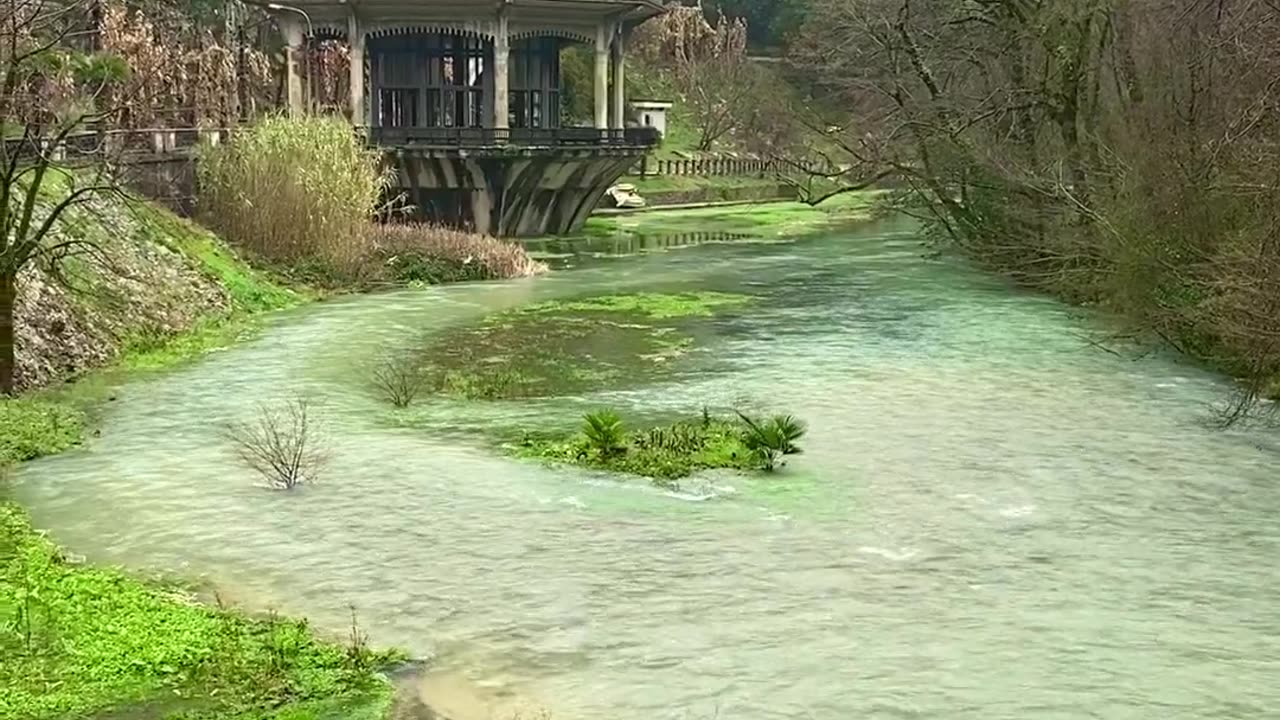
[311, 31]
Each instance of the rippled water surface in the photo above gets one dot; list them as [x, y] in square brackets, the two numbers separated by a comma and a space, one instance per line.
[992, 519]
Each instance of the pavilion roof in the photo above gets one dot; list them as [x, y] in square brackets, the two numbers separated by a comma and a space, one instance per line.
[547, 11]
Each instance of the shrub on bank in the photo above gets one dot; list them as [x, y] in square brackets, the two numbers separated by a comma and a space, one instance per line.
[294, 190]
[423, 253]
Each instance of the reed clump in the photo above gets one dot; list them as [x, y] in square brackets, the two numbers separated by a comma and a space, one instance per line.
[295, 191]
[306, 195]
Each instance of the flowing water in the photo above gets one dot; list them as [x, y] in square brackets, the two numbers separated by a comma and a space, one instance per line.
[992, 519]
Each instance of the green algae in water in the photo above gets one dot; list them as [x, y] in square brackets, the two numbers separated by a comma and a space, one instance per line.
[653, 305]
[567, 347]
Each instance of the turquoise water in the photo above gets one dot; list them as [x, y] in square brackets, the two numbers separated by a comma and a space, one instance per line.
[992, 519]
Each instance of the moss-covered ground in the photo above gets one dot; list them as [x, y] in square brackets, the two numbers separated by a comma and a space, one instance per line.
[80, 642]
[570, 346]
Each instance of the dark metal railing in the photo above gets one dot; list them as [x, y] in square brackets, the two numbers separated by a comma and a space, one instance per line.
[520, 137]
[117, 144]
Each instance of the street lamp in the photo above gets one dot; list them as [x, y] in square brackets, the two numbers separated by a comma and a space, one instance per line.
[311, 31]
[289, 8]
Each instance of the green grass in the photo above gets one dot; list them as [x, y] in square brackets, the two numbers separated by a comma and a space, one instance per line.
[78, 640]
[148, 351]
[693, 183]
[31, 428]
[682, 135]
[251, 291]
[662, 453]
[763, 220]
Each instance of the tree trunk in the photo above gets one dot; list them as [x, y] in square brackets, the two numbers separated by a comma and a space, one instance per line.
[8, 302]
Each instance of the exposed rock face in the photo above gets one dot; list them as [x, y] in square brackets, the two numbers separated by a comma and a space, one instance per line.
[133, 284]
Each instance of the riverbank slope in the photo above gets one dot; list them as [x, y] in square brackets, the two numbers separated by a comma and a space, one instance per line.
[80, 641]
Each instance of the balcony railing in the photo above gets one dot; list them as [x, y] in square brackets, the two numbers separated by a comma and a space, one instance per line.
[519, 137]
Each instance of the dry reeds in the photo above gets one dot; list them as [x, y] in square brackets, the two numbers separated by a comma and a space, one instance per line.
[303, 192]
[415, 251]
[294, 189]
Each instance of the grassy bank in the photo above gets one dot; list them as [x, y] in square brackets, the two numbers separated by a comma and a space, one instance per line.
[80, 642]
[765, 220]
[96, 334]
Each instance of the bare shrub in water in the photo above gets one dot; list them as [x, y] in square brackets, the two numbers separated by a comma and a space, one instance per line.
[399, 380]
[282, 443]
[294, 190]
[430, 253]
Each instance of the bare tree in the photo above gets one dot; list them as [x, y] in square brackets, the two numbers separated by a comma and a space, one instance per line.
[399, 379]
[50, 92]
[283, 444]
[709, 67]
[1115, 152]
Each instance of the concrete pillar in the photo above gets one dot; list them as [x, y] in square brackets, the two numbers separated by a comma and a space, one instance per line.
[618, 108]
[355, 38]
[501, 85]
[604, 32]
[294, 64]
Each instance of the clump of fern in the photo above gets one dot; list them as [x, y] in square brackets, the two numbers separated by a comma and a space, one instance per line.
[604, 432]
[770, 440]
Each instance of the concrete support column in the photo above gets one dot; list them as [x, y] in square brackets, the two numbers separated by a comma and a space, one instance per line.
[501, 84]
[604, 32]
[618, 106]
[355, 36]
[294, 64]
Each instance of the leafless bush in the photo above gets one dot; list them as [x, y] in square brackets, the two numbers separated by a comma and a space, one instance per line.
[482, 256]
[282, 443]
[399, 380]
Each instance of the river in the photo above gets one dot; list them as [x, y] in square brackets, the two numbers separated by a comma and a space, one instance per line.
[993, 519]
